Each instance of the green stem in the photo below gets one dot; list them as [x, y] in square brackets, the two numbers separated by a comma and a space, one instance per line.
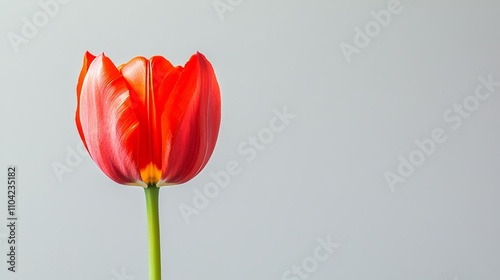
[153, 232]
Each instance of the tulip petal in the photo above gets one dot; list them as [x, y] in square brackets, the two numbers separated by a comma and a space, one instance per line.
[147, 81]
[108, 122]
[165, 79]
[193, 117]
[87, 60]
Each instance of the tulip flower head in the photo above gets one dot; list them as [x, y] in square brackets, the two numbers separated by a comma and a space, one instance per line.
[146, 122]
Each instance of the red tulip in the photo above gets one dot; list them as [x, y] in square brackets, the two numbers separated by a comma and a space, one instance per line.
[147, 122]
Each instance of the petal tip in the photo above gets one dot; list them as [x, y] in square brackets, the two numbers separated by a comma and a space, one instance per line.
[89, 56]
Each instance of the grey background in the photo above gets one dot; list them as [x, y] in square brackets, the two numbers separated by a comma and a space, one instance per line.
[321, 176]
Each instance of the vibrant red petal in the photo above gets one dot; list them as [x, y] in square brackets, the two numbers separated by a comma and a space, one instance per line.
[193, 115]
[165, 77]
[143, 78]
[87, 60]
[108, 122]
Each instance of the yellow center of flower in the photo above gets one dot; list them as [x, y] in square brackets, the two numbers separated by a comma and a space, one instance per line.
[150, 174]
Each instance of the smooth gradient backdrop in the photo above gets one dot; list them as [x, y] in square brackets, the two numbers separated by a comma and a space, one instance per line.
[359, 140]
